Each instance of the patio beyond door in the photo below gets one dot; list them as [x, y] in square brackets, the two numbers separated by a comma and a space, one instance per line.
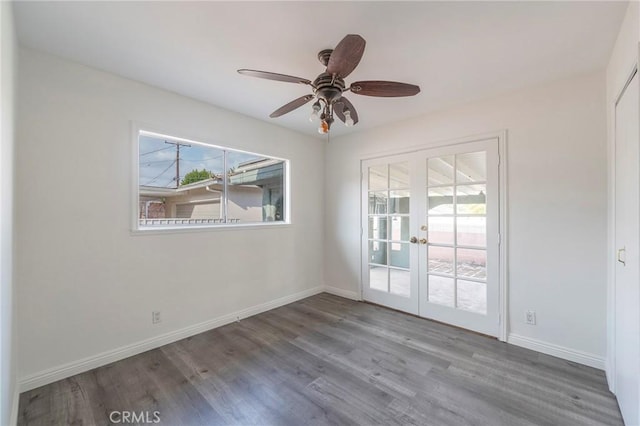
[431, 234]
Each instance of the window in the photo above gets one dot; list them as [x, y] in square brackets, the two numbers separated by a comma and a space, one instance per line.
[187, 184]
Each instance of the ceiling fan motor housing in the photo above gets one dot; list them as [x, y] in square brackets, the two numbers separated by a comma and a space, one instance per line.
[328, 88]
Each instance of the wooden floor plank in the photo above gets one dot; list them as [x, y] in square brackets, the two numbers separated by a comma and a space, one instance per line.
[326, 360]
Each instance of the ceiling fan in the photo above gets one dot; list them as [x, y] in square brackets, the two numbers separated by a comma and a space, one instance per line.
[328, 87]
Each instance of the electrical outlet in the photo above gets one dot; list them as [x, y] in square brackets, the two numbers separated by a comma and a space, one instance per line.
[530, 317]
[155, 317]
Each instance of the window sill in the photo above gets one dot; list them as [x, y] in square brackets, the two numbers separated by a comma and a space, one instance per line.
[151, 230]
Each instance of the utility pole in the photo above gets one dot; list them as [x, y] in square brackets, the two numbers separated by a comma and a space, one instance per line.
[178, 145]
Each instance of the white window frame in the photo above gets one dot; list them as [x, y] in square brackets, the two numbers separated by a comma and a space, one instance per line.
[136, 229]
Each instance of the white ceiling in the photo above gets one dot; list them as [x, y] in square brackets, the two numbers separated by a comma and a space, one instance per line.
[455, 51]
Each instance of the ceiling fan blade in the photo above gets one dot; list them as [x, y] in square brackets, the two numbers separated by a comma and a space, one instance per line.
[296, 103]
[274, 76]
[340, 105]
[387, 89]
[346, 56]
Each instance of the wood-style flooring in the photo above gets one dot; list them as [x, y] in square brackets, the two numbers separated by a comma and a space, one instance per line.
[328, 360]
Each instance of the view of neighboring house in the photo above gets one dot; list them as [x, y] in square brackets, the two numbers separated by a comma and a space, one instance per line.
[255, 194]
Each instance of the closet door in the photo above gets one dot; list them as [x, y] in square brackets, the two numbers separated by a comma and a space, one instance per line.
[627, 266]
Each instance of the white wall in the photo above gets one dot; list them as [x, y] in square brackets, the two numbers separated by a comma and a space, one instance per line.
[623, 58]
[8, 356]
[557, 189]
[85, 284]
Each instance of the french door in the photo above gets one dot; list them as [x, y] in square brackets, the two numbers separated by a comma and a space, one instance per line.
[430, 234]
[390, 215]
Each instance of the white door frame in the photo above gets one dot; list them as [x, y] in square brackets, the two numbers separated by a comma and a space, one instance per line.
[503, 284]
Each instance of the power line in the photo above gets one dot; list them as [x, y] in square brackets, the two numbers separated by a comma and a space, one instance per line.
[163, 172]
[151, 152]
[204, 158]
[148, 163]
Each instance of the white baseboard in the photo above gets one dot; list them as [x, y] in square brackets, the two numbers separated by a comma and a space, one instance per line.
[348, 294]
[66, 370]
[557, 351]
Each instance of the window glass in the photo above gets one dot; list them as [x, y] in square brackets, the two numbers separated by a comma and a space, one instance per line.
[187, 184]
[255, 188]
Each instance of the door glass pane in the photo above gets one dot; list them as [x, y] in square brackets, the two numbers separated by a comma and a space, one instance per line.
[400, 282]
[441, 260]
[457, 231]
[399, 202]
[389, 228]
[440, 200]
[399, 175]
[440, 230]
[472, 231]
[378, 278]
[378, 252]
[440, 170]
[441, 290]
[471, 167]
[378, 202]
[378, 178]
[472, 296]
[399, 228]
[378, 227]
[399, 255]
[472, 263]
[471, 199]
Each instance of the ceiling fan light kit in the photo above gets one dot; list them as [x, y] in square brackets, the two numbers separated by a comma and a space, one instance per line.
[328, 87]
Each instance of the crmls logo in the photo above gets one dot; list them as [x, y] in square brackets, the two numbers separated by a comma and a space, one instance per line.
[133, 417]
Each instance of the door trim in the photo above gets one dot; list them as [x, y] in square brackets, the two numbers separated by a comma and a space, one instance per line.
[503, 275]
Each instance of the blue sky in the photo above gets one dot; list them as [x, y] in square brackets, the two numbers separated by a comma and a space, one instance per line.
[157, 160]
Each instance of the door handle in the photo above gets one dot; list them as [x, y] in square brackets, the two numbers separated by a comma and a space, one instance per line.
[413, 240]
[622, 256]
[423, 241]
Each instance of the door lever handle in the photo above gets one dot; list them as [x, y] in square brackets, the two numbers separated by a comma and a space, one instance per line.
[622, 256]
